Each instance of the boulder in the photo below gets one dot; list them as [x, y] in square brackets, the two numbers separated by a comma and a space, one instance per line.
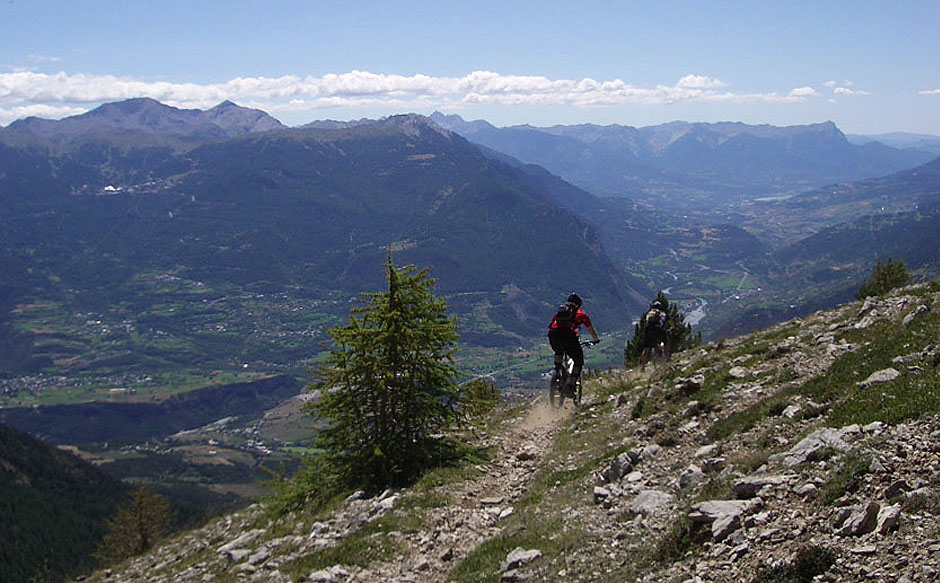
[881, 376]
[688, 386]
[724, 525]
[862, 520]
[650, 451]
[334, 574]
[810, 446]
[724, 516]
[707, 451]
[888, 518]
[519, 557]
[234, 549]
[918, 312]
[749, 486]
[691, 476]
[619, 467]
[650, 502]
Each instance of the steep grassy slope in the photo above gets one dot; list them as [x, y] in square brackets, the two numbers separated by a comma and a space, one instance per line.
[807, 449]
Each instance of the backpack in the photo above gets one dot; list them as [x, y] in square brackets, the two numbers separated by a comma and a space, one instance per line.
[655, 318]
[566, 313]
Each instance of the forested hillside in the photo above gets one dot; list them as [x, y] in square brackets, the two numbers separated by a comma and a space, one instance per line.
[53, 508]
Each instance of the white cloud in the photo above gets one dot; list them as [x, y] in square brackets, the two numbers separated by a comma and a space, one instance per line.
[803, 92]
[845, 88]
[21, 90]
[8, 115]
[929, 92]
[847, 91]
[700, 82]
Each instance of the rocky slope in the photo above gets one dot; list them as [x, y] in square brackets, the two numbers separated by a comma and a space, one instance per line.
[809, 451]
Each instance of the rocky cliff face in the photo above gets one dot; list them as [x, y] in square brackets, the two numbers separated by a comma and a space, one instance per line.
[809, 451]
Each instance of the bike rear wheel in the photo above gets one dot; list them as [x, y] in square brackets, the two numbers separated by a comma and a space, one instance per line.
[556, 391]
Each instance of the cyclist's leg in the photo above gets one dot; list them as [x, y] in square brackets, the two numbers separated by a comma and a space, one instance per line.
[557, 341]
[649, 351]
[574, 350]
[661, 345]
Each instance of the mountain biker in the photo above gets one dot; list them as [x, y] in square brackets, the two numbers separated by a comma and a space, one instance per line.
[655, 332]
[563, 337]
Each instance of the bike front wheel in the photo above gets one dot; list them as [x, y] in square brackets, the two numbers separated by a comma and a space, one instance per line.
[556, 391]
[554, 395]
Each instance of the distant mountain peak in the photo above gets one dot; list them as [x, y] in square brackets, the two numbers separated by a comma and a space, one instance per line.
[238, 120]
[149, 116]
[415, 124]
[411, 124]
[131, 105]
[455, 123]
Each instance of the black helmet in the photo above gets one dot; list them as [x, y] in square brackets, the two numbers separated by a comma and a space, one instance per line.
[575, 299]
[658, 305]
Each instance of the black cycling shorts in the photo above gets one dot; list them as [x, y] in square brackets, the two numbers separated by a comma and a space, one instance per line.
[653, 336]
[564, 341]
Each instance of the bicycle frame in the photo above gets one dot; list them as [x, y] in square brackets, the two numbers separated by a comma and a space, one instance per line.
[557, 390]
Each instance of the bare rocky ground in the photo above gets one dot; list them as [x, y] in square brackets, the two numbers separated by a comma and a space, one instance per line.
[720, 466]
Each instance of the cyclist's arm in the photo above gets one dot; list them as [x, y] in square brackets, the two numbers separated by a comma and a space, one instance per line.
[590, 328]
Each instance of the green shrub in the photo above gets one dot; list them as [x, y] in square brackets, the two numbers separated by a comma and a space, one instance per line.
[847, 477]
[676, 542]
[810, 561]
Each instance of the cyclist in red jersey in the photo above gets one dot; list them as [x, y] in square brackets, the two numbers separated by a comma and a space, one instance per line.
[563, 337]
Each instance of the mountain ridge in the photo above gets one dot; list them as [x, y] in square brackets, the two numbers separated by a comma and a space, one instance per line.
[719, 162]
[144, 116]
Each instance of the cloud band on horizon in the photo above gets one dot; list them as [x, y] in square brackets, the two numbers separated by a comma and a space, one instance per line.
[26, 93]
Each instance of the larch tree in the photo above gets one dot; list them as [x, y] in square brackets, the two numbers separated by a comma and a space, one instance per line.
[388, 385]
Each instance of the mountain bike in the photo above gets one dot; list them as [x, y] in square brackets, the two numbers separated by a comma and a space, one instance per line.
[656, 355]
[659, 353]
[558, 388]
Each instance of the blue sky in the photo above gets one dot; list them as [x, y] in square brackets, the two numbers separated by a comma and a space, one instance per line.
[870, 66]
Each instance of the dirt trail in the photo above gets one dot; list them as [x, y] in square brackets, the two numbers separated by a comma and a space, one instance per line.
[541, 415]
[479, 505]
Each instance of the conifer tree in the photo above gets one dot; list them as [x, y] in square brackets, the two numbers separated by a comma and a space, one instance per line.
[679, 335]
[388, 386]
[136, 526]
[884, 278]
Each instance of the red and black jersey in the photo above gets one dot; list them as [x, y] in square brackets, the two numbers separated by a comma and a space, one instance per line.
[580, 318]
